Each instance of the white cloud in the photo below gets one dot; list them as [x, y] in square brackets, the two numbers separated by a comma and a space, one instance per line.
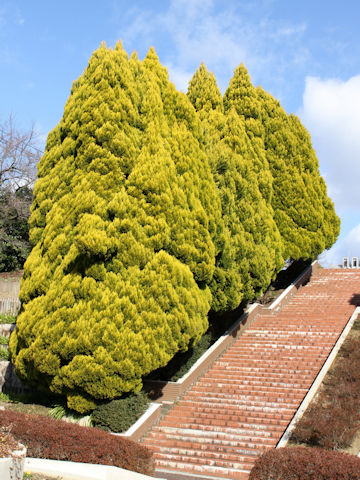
[292, 30]
[179, 77]
[331, 112]
[349, 246]
[221, 36]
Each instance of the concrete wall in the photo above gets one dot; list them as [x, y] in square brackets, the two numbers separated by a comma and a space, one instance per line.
[10, 285]
[9, 382]
[9, 292]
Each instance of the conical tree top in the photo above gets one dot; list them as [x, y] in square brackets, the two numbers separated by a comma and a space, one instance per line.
[152, 63]
[203, 91]
[241, 93]
[304, 214]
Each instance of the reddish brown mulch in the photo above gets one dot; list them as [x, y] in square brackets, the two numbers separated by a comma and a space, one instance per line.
[11, 275]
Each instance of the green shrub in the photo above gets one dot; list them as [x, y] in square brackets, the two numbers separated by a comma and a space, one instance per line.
[4, 340]
[7, 318]
[118, 415]
[57, 412]
[4, 354]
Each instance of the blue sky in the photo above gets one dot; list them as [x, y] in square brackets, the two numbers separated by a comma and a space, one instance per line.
[306, 53]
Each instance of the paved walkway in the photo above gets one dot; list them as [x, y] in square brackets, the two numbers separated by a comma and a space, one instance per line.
[243, 404]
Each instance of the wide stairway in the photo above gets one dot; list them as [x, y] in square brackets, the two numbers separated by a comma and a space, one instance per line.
[244, 403]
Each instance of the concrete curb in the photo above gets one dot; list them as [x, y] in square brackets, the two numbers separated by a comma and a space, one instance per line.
[80, 471]
[318, 380]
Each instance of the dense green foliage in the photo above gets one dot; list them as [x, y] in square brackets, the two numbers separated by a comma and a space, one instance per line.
[147, 213]
[7, 318]
[304, 214]
[251, 249]
[119, 415]
[288, 170]
[124, 228]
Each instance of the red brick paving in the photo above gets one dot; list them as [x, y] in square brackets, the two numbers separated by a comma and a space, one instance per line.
[243, 404]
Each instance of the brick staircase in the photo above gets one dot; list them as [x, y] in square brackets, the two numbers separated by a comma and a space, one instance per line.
[244, 403]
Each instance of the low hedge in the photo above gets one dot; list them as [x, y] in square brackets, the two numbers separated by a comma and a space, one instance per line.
[302, 463]
[57, 440]
[119, 415]
[334, 418]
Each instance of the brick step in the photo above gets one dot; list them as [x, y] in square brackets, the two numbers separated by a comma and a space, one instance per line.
[296, 316]
[229, 433]
[222, 366]
[251, 361]
[320, 317]
[256, 346]
[222, 469]
[244, 389]
[242, 382]
[264, 364]
[216, 408]
[294, 363]
[207, 459]
[289, 357]
[237, 381]
[163, 467]
[287, 329]
[220, 399]
[220, 414]
[277, 358]
[209, 450]
[226, 376]
[230, 437]
[276, 350]
[268, 336]
[208, 422]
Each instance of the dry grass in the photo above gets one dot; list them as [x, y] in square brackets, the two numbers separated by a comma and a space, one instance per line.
[40, 476]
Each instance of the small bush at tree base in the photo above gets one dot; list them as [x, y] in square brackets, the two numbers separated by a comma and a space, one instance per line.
[57, 440]
[118, 415]
[301, 463]
[7, 318]
[4, 354]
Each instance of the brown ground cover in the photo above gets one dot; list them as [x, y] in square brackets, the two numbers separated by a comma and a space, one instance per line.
[332, 420]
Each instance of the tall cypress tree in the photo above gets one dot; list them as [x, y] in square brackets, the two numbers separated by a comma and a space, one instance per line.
[241, 94]
[251, 248]
[304, 214]
[108, 294]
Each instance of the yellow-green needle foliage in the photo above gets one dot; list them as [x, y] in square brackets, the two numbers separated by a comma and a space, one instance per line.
[123, 244]
[241, 94]
[251, 248]
[304, 214]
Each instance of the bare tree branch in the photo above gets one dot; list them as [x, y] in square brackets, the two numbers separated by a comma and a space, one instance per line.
[18, 156]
